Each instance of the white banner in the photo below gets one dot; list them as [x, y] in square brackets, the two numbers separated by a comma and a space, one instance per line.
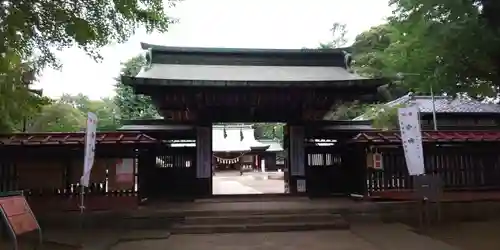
[88, 160]
[125, 171]
[411, 138]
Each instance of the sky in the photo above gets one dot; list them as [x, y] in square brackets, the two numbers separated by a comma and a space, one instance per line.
[287, 24]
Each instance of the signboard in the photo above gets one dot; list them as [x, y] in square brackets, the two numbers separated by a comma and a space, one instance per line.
[378, 162]
[301, 186]
[204, 152]
[18, 217]
[125, 171]
[297, 151]
[90, 137]
[411, 138]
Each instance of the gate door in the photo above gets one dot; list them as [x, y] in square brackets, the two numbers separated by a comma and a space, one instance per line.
[325, 172]
[170, 173]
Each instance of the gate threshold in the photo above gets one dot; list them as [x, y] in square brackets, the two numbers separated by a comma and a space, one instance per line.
[252, 198]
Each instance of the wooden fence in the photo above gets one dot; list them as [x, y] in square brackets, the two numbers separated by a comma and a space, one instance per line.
[52, 184]
[467, 167]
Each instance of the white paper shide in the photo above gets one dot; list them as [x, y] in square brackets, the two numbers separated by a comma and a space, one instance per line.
[411, 137]
[90, 137]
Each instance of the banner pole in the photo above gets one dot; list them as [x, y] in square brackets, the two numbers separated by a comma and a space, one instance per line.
[82, 206]
[82, 199]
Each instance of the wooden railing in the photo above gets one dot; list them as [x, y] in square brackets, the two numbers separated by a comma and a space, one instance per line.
[460, 168]
[57, 188]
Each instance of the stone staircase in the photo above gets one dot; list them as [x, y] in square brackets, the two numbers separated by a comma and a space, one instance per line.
[259, 221]
[226, 215]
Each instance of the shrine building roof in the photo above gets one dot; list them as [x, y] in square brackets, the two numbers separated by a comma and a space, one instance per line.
[194, 66]
[443, 105]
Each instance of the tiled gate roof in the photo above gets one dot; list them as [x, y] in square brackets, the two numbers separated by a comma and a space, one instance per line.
[430, 136]
[33, 139]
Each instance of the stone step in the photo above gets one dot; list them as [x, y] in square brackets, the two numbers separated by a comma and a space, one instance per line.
[339, 224]
[262, 218]
[236, 212]
[252, 198]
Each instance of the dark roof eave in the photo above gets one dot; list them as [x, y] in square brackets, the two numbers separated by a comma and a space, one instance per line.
[213, 50]
[359, 83]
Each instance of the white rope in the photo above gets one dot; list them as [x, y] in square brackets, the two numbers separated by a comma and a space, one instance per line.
[229, 160]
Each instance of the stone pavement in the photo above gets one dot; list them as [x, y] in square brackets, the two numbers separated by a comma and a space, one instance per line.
[397, 236]
[363, 237]
[222, 186]
[248, 183]
[315, 240]
[475, 235]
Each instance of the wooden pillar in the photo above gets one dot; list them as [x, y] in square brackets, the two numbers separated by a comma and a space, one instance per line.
[203, 161]
[146, 162]
[257, 162]
[296, 159]
[270, 159]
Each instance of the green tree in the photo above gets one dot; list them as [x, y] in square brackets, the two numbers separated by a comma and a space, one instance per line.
[368, 50]
[58, 117]
[269, 131]
[383, 117]
[339, 40]
[18, 102]
[31, 30]
[130, 105]
[348, 111]
[80, 102]
[444, 44]
[107, 114]
[105, 110]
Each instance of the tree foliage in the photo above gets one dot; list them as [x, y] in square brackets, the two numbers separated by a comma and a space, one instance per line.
[69, 114]
[17, 100]
[131, 106]
[383, 116]
[369, 48]
[31, 31]
[339, 40]
[58, 117]
[444, 44]
[105, 110]
[269, 131]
